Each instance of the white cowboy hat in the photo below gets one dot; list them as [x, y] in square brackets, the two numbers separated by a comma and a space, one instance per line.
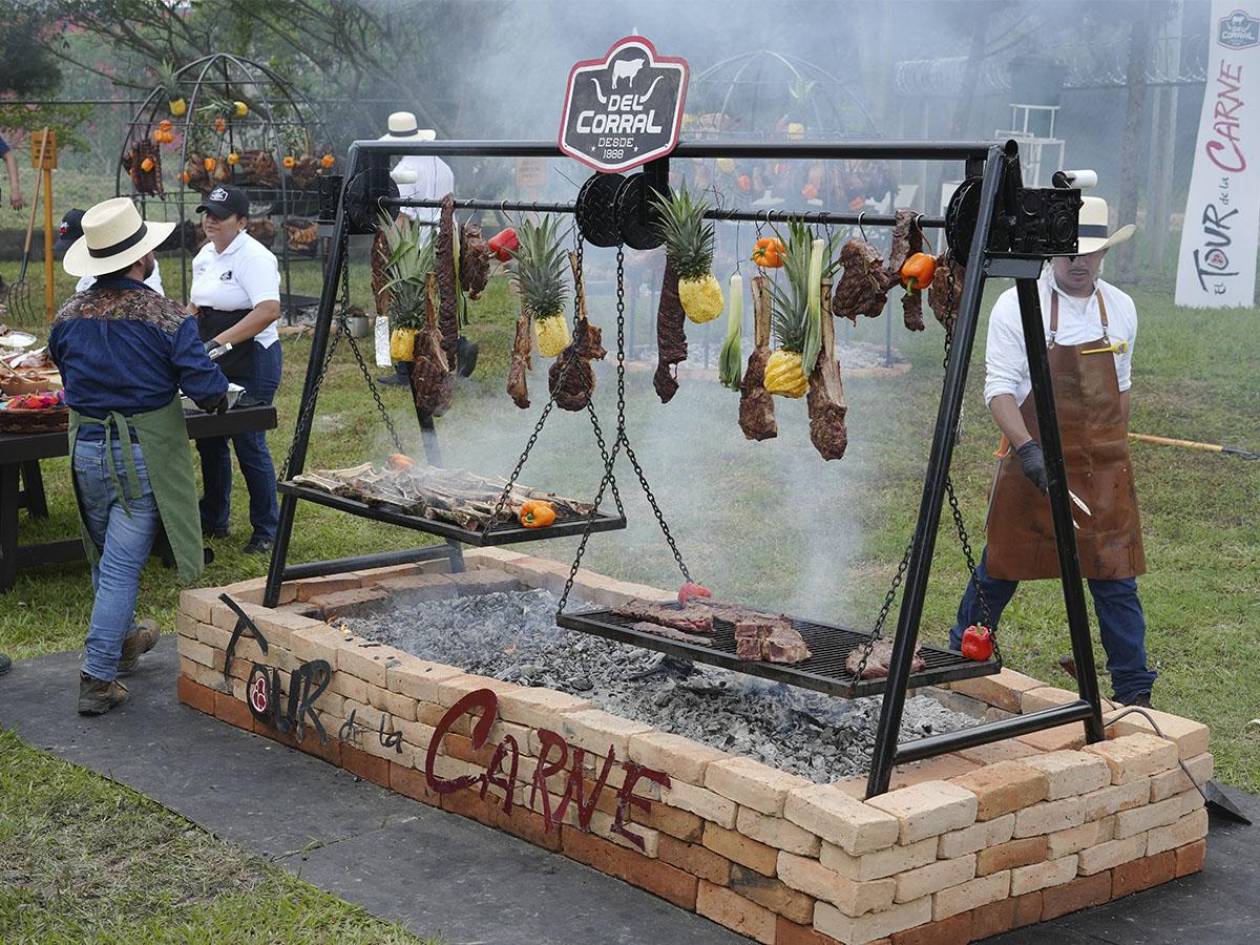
[403, 127]
[114, 237]
[1093, 232]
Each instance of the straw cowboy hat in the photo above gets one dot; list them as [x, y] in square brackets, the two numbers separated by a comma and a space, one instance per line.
[1093, 230]
[114, 238]
[403, 127]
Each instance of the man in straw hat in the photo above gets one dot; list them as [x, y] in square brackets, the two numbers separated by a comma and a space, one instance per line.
[1090, 328]
[125, 353]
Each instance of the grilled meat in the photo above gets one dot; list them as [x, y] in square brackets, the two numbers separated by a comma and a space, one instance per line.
[448, 302]
[863, 289]
[761, 637]
[380, 272]
[689, 619]
[784, 644]
[671, 341]
[907, 240]
[474, 261]
[669, 633]
[756, 405]
[571, 379]
[521, 363]
[877, 662]
[945, 293]
[432, 383]
[825, 400]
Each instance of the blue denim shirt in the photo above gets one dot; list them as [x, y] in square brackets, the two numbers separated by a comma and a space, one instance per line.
[121, 346]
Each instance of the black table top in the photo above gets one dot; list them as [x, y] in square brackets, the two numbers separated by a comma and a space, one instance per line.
[24, 447]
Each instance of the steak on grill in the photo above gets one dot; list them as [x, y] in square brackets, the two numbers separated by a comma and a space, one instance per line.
[521, 363]
[448, 301]
[756, 405]
[690, 619]
[877, 662]
[863, 289]
[669, 633]
[825, 401]
[760, 637]
[671, 340]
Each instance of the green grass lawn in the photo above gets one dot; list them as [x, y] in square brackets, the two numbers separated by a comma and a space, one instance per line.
[769, 523]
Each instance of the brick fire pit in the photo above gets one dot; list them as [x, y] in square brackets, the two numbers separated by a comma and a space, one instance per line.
[966, 845]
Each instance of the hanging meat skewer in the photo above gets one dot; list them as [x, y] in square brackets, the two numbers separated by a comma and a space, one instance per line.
[474, 260]
[671, 340]
[521, 362]
[432, 383]
[571, 379]
[825, 400]
[945, 293]
[448, 301]
[863, 289]
[381, 293]
[756, 405]
[907, 240]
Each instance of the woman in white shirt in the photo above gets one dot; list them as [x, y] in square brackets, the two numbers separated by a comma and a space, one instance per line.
[236, 299]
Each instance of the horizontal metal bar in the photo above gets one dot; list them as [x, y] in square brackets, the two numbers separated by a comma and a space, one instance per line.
[801, 150]
[751, 216]
[946, 742]
[382, 559]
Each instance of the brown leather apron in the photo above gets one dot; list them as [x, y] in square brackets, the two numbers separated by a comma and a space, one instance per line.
[1096, 455]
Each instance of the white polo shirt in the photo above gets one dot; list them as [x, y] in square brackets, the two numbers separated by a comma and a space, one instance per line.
[242, 276]
[1006, 361]
[434, 180]
[154, 281]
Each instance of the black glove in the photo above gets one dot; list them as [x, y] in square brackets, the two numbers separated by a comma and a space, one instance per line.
[1034, 463]
[214, 404]
[215, 350]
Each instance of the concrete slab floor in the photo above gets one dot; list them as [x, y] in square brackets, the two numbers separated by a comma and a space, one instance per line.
[377, 848]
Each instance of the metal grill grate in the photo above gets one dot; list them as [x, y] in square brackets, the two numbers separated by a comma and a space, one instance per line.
[500, 535]
[823, 672]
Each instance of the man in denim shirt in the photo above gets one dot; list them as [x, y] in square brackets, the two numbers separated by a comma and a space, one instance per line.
[124, 353]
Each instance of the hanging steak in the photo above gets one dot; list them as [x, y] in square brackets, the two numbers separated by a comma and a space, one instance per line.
[863, 289]
[689, 619]
[448, 302]
[474, 261]
[764, 638]
[945, 292]
[671, 341]
[432, 383]
[756, 405]
[520, 365]
[877, 662]
[826, 391]
[907, 240]
[381, 294]
[571, 379]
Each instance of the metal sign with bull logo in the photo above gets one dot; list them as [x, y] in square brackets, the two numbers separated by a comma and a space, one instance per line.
[625, 109]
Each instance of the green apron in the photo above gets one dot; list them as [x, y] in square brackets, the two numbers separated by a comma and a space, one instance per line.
[163, 441]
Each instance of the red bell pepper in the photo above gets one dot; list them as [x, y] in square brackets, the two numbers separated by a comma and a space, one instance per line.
[977, 643]
[692, 589]
[503, 244]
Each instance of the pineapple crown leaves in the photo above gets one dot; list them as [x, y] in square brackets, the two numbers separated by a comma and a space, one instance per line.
[410, 260]
[539, 267]
[679, 221]
[790, 302]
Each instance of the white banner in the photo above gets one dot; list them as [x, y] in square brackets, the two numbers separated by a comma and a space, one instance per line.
[1216, 266]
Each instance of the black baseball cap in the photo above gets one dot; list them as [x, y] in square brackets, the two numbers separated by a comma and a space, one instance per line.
[224, 201]
[70, 230]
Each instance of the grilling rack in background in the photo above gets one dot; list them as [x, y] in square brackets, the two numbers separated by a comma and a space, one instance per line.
[995, 226]
[823, 672]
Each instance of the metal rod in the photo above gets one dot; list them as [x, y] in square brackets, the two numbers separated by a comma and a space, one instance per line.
[884, 756]
[994, 731]
[804, 150]
[383, 559]
[306, 416]
[716, 213]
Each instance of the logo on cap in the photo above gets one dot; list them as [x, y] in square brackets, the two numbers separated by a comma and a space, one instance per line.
[218, 194]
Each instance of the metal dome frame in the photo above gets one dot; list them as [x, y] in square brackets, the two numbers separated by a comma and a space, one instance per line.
[228, 77]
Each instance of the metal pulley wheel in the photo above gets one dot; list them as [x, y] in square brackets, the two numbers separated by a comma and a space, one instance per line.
[636, 215]
[362, 201]
[596, 209]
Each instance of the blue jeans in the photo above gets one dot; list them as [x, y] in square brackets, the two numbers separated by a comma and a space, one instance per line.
[123, 536]
[1121, 624]
[251, 454]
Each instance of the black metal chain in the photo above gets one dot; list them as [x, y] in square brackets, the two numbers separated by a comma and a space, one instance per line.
[376, 394]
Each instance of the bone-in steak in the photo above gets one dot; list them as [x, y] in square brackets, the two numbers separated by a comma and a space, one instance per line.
[877, 662]
[690, 619]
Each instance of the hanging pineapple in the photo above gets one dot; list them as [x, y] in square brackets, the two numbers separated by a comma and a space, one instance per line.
[795, 311]
[689, 244]
[539, 275]
[407, 267]
[166, 76]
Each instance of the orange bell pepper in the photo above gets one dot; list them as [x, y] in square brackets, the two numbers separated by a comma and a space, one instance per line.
[917, 272]
[768, 252]
[537, 514]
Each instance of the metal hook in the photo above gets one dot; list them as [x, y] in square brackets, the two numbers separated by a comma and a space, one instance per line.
[861, 229]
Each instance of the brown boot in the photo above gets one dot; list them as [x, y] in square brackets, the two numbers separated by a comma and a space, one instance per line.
[139, 641]
[96, 697]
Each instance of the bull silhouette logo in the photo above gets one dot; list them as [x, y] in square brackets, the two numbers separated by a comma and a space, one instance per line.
[1238, 31]
[625, 109]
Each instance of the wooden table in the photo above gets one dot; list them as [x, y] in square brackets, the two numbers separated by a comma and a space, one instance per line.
[21, 484]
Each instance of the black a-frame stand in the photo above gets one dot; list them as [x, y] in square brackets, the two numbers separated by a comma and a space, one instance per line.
[1003, 233]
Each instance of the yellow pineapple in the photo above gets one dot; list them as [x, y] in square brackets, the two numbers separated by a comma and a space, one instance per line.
[539, 276]
[795, 312]
[689, 244]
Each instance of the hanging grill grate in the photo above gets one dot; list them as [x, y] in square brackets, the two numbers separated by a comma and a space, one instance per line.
[823, 672]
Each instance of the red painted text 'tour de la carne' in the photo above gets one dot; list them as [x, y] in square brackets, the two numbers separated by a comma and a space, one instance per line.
[556, 758]
[1223, 148]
